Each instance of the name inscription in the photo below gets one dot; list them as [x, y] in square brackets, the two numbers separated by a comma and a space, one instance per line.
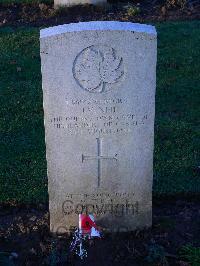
[94, 117]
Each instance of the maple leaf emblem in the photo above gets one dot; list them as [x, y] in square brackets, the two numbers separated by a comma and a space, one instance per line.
[97, 66]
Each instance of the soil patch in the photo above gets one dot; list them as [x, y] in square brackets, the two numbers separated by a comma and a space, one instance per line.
[44, 15]
[25, 231]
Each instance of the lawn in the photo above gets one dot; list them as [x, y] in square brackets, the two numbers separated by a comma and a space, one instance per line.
[23, 175]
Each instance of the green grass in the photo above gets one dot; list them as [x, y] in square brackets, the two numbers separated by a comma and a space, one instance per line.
[177, 131]
[22, 156]
[191, 254]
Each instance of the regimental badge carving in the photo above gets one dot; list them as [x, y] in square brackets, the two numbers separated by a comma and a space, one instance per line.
[96, 67]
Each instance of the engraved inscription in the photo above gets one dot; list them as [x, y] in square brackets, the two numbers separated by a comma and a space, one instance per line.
[115, 209]
[105, 124]
[117, 204]
[99, 157]
[98, 117]
[97, 66]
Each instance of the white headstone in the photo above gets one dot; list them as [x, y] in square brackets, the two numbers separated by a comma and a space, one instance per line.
[99, 81]
[58, 3]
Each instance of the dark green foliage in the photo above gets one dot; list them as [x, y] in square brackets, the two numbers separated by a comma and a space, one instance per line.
[6, 259]
[156, 254]
[166, 223]
[133, 10]
[191, 254]
[56, 256]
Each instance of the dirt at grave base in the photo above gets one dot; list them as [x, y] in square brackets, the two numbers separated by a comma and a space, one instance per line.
[25, 231]
[44, 15]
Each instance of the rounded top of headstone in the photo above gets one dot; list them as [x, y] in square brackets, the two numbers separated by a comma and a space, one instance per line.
[98, 26]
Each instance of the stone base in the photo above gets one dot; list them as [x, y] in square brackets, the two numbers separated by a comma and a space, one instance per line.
[60, 3]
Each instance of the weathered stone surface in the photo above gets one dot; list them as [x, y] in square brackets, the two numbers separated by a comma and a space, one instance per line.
[58, 3]
[99, 82]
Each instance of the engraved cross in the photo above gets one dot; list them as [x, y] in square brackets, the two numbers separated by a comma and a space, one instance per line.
[99, 157]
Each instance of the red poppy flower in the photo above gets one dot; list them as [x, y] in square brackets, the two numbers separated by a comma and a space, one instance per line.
[86, 224]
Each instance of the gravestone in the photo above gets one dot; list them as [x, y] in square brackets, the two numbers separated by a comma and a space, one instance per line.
[58, 3]
[99, 82]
